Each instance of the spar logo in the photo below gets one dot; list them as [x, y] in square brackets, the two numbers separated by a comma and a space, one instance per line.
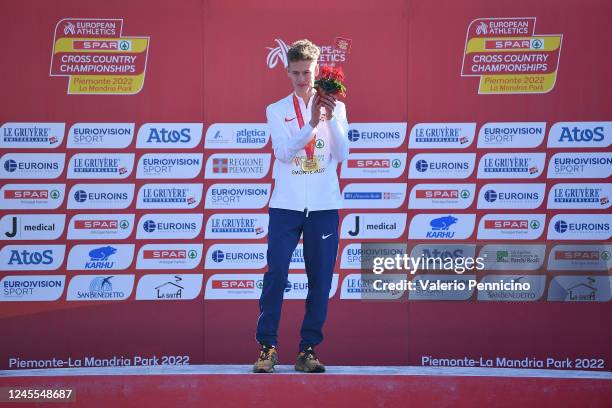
[513, 257]
[32, 165]
[99, 166]
[506, 135]
[169, 135]
[237, 226]
[442, 196]
[374, 195]
[180, 196]
[511, 226]
[107, 287]
[32, 226]
[511, 165]
[580, 258]
[441, 166]
[384, 135]
[580, 227]
[580, 134]
[97, 58]
[169, 287]
[32, 288]
[101, 257]
[100, 135]
[169, 165]
[442, 226]
[580, 165]
[580, 289]
[169, 256]
[236, 256]
[330, 54]
[509, 57]
[31, 196]
[511, 196]
[237, 136]
[580, 196]
[373, 165]
[169, 226]
[31, 135]
[371, 225]
[100, 226]
[442, 135]
[244, 166]
[31, 257]
[237, 196]
[100, 196]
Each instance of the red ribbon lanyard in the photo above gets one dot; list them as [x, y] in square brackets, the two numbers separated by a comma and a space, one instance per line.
[298, 111]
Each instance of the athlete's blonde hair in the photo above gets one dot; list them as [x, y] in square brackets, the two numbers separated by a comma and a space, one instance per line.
[303, 50]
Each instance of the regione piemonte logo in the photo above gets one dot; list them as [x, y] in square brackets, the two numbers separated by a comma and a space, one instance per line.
[31, 196]
[31, 135]
[510, 135]
[509, 57]
[374, 195]
[442, 196]
[441, 165]
[580, 165]
[511, 226]
[237, 136]
[373, 165]
[32, 165]
[594, 227]
[100, 166]
[100, 226]
[372, 225]
[169, 135]
[169, 256]
[442, 135]
[97, 58]
[442, 226]
[511, 165]
[580, 134]
[381, 135]
[237, 166]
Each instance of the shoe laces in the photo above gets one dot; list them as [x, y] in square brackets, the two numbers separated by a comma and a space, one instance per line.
[309, 354]
[266, 353]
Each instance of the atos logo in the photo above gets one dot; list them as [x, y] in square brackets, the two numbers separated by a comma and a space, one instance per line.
[10, 165]
[576, 134]
[26, 257]
[422, 165]
[490, 196]
[80, 196]
[218, 256]
[150, 226]
[353, 135]
[560, 226]
[169, 136]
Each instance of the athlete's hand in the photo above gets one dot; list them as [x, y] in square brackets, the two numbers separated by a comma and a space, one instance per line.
[328, 101]
[315, 110]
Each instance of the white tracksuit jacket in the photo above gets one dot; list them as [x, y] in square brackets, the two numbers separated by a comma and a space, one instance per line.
[295, 189]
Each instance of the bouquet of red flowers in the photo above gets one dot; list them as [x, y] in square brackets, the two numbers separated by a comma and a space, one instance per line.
[331, 81]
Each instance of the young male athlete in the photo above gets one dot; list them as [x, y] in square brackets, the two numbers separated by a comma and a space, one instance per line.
[309, 137]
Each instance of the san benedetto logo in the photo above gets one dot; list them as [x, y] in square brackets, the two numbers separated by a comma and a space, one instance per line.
[97, 58]
[509, 57]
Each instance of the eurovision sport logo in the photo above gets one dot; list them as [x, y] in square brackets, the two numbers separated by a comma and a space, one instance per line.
[510, 135]
[97, 58]
[509, 57]
[580, 165]
[169, 166]
[31, 135]
[100, 135]
[32, 288]
[238, 196]
[356, 255]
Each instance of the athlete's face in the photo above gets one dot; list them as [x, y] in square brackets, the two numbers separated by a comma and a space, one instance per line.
[302, 74]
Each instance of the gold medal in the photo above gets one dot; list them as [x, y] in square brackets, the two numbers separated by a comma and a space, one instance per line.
[310, 164]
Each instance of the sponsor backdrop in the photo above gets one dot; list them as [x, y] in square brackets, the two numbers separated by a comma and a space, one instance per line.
[136, 170]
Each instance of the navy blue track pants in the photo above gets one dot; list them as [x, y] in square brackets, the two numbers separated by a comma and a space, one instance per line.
[320, 238]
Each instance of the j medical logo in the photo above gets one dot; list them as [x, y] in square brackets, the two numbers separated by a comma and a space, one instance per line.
[237, 226]
[511, 226]
[580, 196]
[355, 255]
[32, 288]
[100, 226]
[442, 226]
[580, 165]
[32, 165]
[169, 287]
[236, 256]
[511, 165]
[241, 166]
[511, 196]
[31, 196]
[580, 289]
[100, 166]
[537, 285]
[237, 136]
[169, 226]
[373, 165]
[595, 227]
[507, 257]
[31, 135]
[34, 227]
[374, 195]
[31, 257]
[100, 257]
[442, 135]
[169, 135]
[237, 196]
[373, 226]
[169, 256]
[169, 166]
[444, 251]
[580, 258]
[234, 286]
[442, 287]
[442, 196]
[441, 166]
[171, 196]
[580, 134]
[101, 196]
[105, 287]
[510, 135]
[381, 135]
[100, 135]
